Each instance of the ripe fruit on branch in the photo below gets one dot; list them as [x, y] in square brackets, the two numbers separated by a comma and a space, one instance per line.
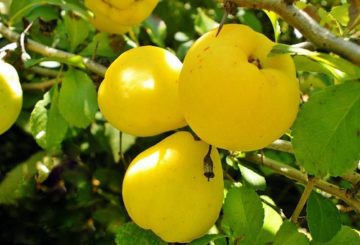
[119, 16]
[10, 96]
[235, 96]
[165, 190]
[139, 94]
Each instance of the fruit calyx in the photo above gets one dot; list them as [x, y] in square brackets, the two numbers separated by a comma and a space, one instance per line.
[255, 61]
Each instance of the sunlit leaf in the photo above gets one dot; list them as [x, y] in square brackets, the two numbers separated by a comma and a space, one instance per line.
[204, 23]
[243, 213]
[131, 234]
[252, 178]
[336, 66]
[78, 98]
[288, 234]
[156, 29]
[73, 25]
[46, 124]
[275, 23]
[205, 240]
[272, 222]
[100, 45]
[327, 131]
[21, 8]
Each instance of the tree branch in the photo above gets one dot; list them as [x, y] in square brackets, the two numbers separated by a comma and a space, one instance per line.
[295, 174]
[318, 35]
[286, 146]
[42, 86]
[51, 52]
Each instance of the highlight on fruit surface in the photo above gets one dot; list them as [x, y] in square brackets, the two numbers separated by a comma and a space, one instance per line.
[233, 94]
[10, 96]
[115, 16]
[165, 190]
[139, 94]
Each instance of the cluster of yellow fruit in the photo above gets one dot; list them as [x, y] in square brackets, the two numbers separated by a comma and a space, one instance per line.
[231, 94]
[10, 96]
[116, 16]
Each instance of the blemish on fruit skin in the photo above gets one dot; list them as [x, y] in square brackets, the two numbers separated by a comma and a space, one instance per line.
[207, 48]
[358, 132]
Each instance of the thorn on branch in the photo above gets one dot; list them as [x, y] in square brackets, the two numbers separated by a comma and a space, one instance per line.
[22, 41]
[230, 8]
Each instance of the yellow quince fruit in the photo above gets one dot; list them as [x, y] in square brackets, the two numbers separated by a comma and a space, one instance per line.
[139, 94]
[10, 96]
[233, 94]
[165, 190]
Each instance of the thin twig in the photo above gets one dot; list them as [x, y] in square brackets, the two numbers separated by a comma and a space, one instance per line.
[281, 145]
[297, 175]
[44, 71]
[51, 52]
[304, 197]
[22, 40]
[42, 86]
[308, 27]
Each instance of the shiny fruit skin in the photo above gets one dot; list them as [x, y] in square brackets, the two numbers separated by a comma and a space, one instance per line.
[165, 190]
[119, 16]
[105, 24]
[233, 95]
[139, 94]
[10, 96]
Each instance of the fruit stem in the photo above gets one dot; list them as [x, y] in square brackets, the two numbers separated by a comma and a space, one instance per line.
[121, 153]
[208, 165]
[304, 197]
[230, 8]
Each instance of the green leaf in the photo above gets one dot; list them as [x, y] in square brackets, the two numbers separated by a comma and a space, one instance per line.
[205, 240]
[341, 14]
[100, 44]
[346, 236]
[249, 18]
[272, 222]
[156, 29]
[341, 69]
[21, 8]
[131, 234]
[111, 216]
[327, 131]
[19, 181]
[77, 30]
[204, 23]
[47, 125]
[78, 98]
[243, 213]
[288, 234]
[275, 23]
[323, 218]
[252, 178]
